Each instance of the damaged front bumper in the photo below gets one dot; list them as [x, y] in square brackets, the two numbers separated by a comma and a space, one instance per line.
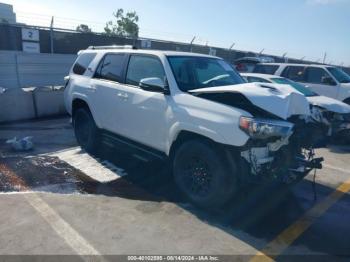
[282, 160]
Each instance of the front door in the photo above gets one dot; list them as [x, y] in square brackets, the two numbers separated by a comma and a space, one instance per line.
[146, 112]
[321, 82]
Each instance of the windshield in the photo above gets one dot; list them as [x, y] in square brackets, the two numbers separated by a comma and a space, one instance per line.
[201, 72]
[299, 87]
[339, 74]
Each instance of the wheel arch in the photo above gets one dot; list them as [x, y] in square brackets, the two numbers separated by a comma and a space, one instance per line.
[347, 101]
[79, 102]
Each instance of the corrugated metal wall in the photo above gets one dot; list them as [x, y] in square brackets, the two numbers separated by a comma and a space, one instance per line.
[18, 70]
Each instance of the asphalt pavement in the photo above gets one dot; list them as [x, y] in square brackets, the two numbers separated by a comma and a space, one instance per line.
[59, 200]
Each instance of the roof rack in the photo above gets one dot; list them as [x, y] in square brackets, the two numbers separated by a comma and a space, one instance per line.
[112, 47]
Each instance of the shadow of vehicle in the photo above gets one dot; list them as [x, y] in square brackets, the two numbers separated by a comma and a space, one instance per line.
[256, 215]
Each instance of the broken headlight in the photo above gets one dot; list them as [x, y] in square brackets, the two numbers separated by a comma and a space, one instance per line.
[342, 117]
[265, 128]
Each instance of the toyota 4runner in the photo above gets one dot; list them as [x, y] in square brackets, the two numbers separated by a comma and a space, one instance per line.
[218, 132]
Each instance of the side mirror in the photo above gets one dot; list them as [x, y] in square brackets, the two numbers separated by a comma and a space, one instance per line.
[154, 84]
[328, 81]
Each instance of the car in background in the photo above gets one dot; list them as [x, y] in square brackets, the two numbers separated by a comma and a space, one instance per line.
[325, 80]
[247, 64]
[331, 113]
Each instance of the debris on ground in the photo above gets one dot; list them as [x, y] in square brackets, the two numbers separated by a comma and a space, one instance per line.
[24, 144]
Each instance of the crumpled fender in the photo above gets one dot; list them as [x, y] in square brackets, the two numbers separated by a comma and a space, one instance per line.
[329, 104]
[280, 100]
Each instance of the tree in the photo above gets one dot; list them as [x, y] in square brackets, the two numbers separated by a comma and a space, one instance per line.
[83, 28]
[126, 25]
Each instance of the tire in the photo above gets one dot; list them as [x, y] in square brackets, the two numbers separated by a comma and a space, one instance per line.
[342, 138]
[203, 175]
[86, 131]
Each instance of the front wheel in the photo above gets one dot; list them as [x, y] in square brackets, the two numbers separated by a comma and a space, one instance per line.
[85, 129]
[203, 175]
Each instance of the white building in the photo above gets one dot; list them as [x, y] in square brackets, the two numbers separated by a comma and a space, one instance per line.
[7, 14]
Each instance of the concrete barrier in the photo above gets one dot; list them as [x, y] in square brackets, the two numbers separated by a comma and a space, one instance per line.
[16, 104]
[19, 104]
[48, 102]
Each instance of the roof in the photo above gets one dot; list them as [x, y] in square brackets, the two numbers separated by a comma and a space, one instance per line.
[293, 64]
[147, 51]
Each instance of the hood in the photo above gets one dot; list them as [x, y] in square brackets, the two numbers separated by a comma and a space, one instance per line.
[329, 104]
[280, 100]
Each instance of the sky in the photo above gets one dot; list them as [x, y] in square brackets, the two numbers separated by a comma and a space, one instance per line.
[300, 28]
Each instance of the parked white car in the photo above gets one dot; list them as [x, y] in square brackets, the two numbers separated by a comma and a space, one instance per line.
[331, 113]
[195, 111]
[325, 80]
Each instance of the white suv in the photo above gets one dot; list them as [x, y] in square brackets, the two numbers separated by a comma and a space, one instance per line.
[325, 80]
[217, 132]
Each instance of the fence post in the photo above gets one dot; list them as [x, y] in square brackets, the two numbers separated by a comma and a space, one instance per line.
[51, 34]
[17, 73]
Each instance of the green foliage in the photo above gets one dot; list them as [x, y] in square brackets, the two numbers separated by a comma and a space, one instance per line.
[126, 25]
[83, 28]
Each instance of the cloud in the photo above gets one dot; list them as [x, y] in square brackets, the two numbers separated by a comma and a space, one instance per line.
[324, 2]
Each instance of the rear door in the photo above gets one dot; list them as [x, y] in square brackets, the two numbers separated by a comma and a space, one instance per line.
[108, 87]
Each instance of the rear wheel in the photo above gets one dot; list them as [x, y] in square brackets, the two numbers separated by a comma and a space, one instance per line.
[203, 175]
[86, 131]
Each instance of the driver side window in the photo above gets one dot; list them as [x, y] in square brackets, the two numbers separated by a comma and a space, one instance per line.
[316, 75]
[141, 66]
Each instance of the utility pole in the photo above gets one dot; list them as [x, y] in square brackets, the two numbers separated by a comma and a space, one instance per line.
[324, 57]
[191, 44]
[51, 34]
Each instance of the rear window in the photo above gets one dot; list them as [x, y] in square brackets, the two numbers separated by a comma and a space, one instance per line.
[265, 69]
[82, 63]
[295, 73]
[111, 68]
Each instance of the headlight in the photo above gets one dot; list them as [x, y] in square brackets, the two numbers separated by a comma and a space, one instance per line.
[265, 128]
[317, 113]
[339, 117]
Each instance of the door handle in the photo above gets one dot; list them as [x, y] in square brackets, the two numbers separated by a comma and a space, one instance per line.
[92, 88]
[123, 96]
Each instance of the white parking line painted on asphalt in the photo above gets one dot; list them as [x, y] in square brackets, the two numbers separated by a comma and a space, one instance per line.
[79, 244]
[102, 171]
[337, 168]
